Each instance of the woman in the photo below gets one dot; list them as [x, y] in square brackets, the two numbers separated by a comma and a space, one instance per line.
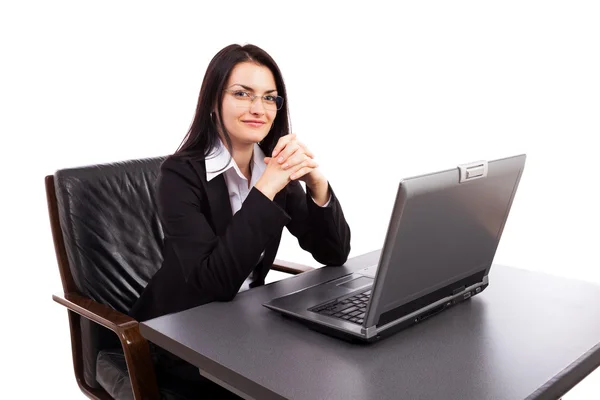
[225, 196]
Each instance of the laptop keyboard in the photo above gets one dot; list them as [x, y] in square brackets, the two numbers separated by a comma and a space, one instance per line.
[351, 309]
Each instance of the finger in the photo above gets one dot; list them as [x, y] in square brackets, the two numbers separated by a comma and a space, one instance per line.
[301, 172]
[306, 150]
[289, 149]
[267, 160]
[304, 168]
[295, 159]
[281, 143]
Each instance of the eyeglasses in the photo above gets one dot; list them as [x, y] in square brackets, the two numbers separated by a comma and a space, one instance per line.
[270, 102]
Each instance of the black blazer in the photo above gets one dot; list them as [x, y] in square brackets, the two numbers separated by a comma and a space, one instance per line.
[208, 253]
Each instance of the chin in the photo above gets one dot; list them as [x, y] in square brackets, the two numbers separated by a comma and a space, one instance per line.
[253, 137]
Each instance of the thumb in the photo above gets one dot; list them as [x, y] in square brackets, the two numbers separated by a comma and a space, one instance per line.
[267, 160]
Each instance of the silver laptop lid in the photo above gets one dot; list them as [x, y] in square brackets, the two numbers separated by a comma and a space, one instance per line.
[445, 226]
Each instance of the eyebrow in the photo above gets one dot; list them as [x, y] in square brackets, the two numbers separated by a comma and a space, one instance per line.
[249, 88]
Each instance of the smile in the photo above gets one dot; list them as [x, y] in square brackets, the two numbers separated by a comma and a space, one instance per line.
[254, 124]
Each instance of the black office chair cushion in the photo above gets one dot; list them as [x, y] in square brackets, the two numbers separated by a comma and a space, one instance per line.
[111, 374]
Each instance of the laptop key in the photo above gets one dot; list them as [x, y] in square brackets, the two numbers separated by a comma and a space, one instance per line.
[349, 310]
[339, 307]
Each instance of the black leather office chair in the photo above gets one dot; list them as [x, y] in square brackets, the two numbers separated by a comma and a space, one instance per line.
[108, 240]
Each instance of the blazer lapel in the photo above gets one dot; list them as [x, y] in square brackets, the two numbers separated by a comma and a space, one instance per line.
[218, 198]
[218, 201]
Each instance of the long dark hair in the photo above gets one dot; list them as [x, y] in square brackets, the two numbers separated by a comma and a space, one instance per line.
[203, 134]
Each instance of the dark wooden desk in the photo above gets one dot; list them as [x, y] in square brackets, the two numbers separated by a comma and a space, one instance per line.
[528, 335]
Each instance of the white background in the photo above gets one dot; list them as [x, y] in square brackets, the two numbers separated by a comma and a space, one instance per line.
[377, 92]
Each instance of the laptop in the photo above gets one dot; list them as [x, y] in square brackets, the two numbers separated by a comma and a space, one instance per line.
[441, 240]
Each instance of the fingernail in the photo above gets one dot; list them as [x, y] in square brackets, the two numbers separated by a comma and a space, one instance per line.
[280, 159]
[285, 165]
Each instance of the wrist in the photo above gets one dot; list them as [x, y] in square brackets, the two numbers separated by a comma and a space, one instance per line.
[317, 184]
[265, 189]
[319, 191]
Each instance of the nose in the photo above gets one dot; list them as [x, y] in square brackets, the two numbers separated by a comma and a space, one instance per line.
[257, 107]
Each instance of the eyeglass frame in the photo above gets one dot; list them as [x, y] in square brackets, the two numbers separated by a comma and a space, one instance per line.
[253, 97]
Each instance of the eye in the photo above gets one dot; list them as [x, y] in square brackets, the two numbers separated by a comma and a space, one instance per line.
[241, 94]
[270, 98]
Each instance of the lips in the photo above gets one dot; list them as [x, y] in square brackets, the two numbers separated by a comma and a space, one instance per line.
[254, 123]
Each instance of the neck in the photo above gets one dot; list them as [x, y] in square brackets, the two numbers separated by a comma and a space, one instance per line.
[242, 155]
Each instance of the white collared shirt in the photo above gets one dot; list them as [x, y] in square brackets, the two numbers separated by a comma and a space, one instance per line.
[237, 184]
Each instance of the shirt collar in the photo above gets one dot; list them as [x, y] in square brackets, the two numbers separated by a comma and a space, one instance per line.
[220, 157]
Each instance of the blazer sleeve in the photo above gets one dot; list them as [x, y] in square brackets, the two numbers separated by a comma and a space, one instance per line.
[209, 263]
[322, 231]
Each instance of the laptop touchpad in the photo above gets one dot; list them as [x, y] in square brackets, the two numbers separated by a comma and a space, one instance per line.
[356, 283]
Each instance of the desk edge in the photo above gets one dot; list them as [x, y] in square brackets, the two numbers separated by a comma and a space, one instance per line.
[565, 380]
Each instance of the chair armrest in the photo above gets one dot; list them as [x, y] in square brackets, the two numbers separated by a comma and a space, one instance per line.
[94, 311]
[290, 267]
[135, 346]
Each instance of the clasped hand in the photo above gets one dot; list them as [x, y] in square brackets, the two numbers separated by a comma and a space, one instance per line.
[290, 160]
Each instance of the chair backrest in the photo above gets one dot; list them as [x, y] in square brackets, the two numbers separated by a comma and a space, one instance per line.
[108, 239]
[111, 230]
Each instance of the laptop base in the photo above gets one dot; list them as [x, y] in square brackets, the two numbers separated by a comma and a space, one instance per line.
[385, 333]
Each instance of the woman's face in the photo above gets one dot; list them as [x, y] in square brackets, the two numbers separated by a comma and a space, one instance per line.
[249, 121]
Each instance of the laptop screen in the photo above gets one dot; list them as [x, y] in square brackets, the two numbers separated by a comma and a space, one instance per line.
[443, 231]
